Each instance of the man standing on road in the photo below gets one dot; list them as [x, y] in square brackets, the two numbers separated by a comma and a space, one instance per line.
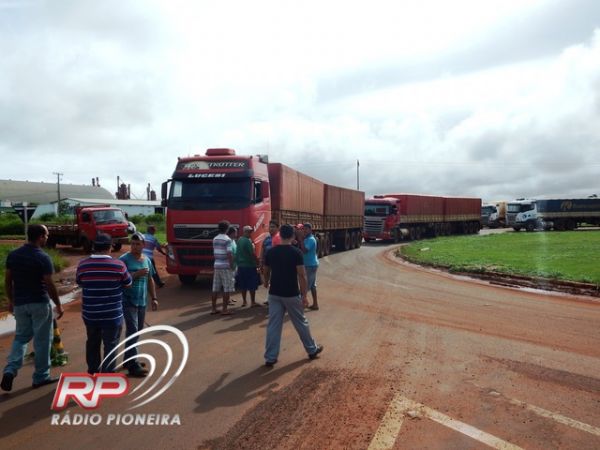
[29, 287]
[102, 279]
[136, 299]
[223, 273]
[150, 244]
[311, 263]
[270, 241]
[284, 269]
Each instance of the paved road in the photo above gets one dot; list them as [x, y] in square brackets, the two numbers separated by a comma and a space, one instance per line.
[412, 359]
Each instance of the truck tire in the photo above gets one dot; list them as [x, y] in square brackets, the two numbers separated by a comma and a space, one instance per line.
[347, 241]
[87, 245]
[117, 247]
[517, 228]
[320, 246]
[187, 279]
[397, 235]
[529, 226]
[327, 244]
[359, 239]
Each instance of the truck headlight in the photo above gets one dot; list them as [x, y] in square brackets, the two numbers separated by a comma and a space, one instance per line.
[170, 253]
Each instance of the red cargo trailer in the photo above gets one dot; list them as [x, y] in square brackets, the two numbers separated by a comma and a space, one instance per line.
[412, 216]
[247, 190]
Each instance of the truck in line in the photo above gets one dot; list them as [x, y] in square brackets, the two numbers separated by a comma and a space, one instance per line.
[493, 215]
[248, 190]
[414, 216]
[88, 222]
[558, 214]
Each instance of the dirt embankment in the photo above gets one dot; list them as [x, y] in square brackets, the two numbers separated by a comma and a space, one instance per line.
[503, 279]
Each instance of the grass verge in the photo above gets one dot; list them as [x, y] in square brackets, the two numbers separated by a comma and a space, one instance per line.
[571, 256]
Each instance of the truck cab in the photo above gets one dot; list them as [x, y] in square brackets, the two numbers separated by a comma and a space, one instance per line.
[522, 213]
[89, 221]
[382, 215]
[204, 190]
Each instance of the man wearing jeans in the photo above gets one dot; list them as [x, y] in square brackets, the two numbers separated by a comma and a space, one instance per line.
[102, 279]
[284, 269]
[29, 287]
[135, 300]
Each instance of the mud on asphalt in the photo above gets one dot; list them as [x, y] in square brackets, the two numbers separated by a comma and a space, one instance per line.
[319, 409]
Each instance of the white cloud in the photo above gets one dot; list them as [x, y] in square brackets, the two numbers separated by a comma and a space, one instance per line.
[468, 97]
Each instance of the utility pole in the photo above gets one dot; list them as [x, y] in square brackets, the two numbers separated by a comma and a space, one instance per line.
[357, 175]
[58, 175]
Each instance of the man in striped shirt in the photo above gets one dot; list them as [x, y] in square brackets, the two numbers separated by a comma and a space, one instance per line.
[223, 276]
[102, 279]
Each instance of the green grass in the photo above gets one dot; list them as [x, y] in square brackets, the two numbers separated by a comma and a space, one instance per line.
[573, 256]
[58, 261]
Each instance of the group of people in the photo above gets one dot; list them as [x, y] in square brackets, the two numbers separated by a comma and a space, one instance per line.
[288, 263]
[117, 291]
[114, 291]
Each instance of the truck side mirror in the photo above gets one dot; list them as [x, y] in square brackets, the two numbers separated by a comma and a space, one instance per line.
[264, 189]
[163, 193]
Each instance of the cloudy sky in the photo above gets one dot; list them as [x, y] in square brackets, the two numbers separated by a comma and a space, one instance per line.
[496, 99]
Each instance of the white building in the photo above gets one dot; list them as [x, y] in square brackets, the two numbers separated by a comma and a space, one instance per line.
[132, 207]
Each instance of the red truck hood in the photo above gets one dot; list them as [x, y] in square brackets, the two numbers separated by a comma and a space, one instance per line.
[114, 229]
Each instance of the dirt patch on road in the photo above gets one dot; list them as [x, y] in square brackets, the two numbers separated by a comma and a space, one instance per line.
[320, 409]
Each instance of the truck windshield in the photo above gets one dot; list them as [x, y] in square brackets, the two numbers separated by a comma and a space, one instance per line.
[377, 209]
[519, 207]
[487, 210]
[207, 194]
[109, 216]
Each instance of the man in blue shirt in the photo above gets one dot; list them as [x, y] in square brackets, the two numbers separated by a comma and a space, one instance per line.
[29, 287]
[150, 244]
[135, 300]
[311, 263]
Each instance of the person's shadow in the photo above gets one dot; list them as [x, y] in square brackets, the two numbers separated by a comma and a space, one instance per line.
[24, 415]
[260, 381]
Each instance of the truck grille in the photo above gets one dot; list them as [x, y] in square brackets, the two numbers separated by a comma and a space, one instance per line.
[195, 232]
[374, 225]
[195, 257]
[510, 219]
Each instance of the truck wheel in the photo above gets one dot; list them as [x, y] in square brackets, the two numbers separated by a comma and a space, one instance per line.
[359, 239]
[87, 245]
[187, 279]
[347, 241]
[517, 228]
[530, 226]
[117, 247]
[397, 235]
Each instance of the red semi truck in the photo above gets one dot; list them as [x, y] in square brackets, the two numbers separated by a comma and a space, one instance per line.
[248, 190]
[412, 216]
[88, 222]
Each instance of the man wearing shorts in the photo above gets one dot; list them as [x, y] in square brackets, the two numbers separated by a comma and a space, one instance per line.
[223, 273]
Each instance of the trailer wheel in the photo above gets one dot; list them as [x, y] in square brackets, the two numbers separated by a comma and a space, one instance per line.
[347, 241]
[359, 239]
[517, 228]
[327, 244]
[320, 249]
[187, 279]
